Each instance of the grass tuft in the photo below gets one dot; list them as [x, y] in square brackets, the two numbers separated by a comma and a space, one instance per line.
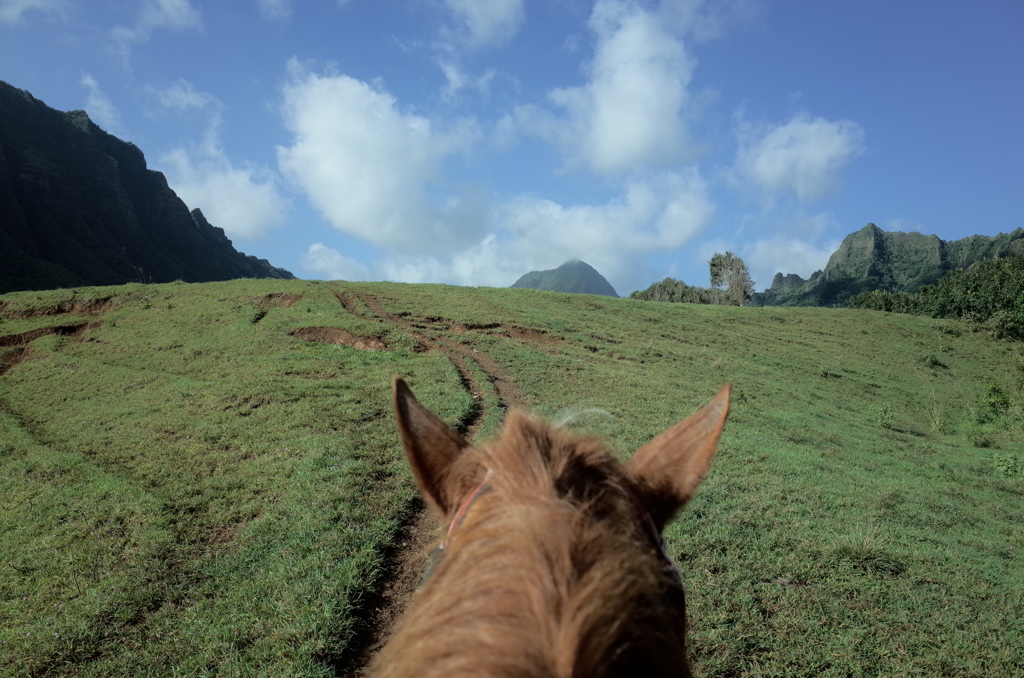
[867, 551]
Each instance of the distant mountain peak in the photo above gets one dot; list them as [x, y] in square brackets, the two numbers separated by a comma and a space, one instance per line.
[574, 276]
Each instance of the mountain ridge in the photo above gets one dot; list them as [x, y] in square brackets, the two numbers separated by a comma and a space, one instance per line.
[892, 261]
[78, 206]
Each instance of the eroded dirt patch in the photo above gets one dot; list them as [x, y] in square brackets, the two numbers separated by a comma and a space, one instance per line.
[460, 355]
[25, 338]
[278, 299]
[14, 348]
[11, 356]
[347, 302]
[524, 334]
[337, 335]
[75, 305]
[531, 336]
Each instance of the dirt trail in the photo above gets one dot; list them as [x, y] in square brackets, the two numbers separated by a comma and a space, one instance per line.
[405, 561]
[462, 356]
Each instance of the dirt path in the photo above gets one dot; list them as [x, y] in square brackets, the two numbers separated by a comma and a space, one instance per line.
[406, 559]
[461, 355]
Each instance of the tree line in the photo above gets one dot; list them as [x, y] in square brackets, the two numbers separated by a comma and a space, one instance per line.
[990, 292]
[731, 285]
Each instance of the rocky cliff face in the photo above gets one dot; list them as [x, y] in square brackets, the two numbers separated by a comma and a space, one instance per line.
[873, 259]
[79, 207]
[573, 276]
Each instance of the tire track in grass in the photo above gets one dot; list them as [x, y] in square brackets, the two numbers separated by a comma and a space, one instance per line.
[405, 559]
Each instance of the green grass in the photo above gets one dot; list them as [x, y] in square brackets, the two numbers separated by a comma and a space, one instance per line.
[189, 490]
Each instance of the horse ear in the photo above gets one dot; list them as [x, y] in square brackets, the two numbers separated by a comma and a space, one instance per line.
[430, 446]
[666, 471]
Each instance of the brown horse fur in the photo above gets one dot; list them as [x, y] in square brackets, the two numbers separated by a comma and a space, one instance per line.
[552, 571]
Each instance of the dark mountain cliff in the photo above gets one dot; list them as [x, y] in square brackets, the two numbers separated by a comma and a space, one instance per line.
[573, 276]
[873, 259]
[79, 207]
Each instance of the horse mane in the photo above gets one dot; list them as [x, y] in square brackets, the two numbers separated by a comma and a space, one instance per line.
[551, 573]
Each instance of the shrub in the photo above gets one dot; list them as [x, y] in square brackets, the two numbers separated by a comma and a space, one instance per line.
[1007, 465]
[883, 414]
[995, 403]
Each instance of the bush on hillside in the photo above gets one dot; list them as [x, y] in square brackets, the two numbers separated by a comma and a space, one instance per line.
[990, 292]
[677, 291]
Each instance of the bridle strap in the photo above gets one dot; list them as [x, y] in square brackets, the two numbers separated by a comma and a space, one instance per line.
[655, 538]
[460, 515]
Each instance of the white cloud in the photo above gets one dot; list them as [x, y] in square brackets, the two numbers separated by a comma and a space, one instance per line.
[275, 10]
[376, 171]
[705, 20]
[367, 166]
[331, 264]
[476, 25]
[175, 15]
[784, 254]
[662, 212]
[803, 156]
[493, 22]
[11, 10]
[801, 245]
[100, 108]
[182, 96]
[531, 233]
[172, 14]
[245, 201]
[629, 116]
[457, 79]
[281, 10]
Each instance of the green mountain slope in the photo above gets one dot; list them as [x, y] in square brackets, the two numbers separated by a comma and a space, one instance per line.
[203, 479]
[79, 207]
[873, 259]
[573, 276]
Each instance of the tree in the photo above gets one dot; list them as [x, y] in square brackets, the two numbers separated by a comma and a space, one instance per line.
[728, 271]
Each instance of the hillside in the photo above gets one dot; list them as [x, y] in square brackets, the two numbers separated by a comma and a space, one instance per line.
[79, 207]
[205, 479]
[574, 276]
[873, 259]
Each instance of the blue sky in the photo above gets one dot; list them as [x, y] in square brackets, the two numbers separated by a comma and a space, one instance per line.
[469, 142]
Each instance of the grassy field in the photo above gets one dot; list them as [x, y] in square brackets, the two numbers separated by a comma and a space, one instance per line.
[186, 488]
